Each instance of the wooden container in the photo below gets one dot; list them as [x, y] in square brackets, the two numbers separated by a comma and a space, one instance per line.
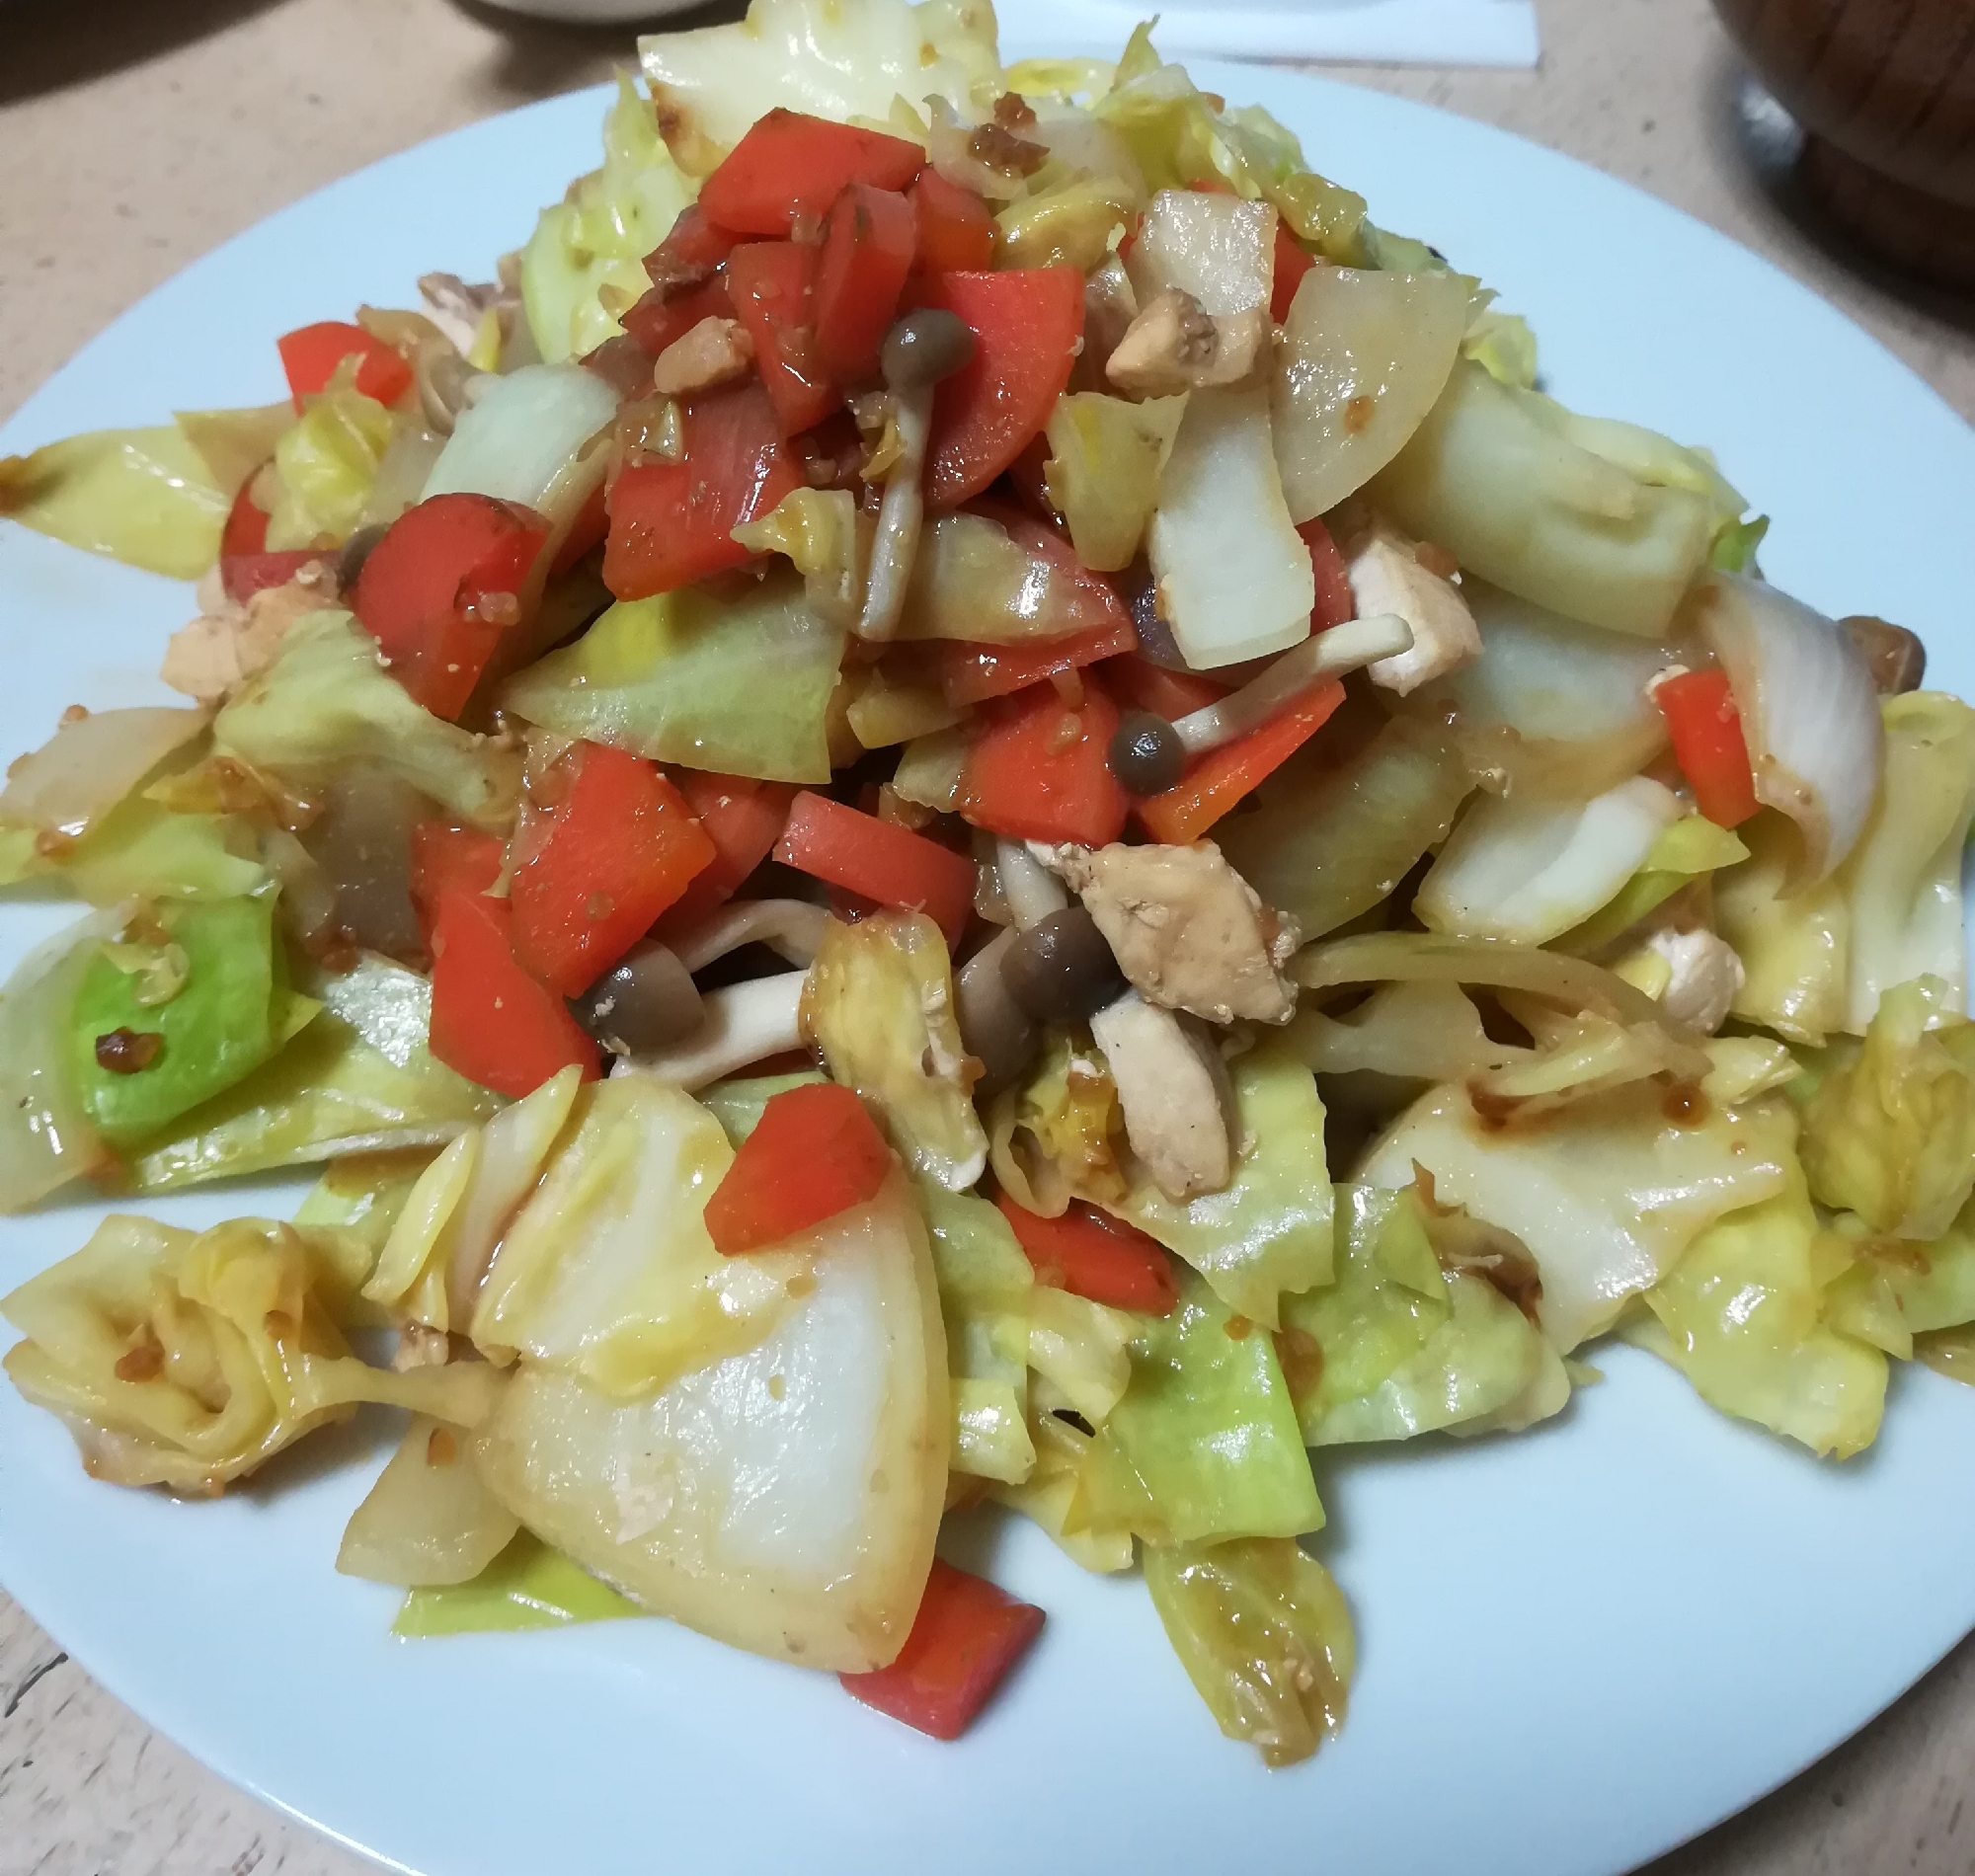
[1884, 91]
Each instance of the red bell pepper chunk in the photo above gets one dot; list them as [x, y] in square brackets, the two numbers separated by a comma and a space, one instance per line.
[867, 252]
[1213, 785]
[744, 819]
[1092, 1254]
[444, 856]
[442, 586]
[815, 1152]
[965, 1638]
[1040, 769]
[674, 523]
[607, 845]
[1291, 264]
[1335, 603]
[491, 1021]
[246, 529]
[241, 576]
[889, 865]
[311, 353]
[772, 284]
[1026, 323]
[790, 165]
[668, 313]
[695, 240]
[972, 673]
[1708, 745]
[1136, 680]
[954, 227]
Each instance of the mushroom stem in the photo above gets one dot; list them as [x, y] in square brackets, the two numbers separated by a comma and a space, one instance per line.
[901, 516]
[743, 1024]
[791, 927]
[1343, 647]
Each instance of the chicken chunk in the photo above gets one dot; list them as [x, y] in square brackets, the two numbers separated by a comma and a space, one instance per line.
[1708, 976]
[1172, 1088]
[229, 643]
[1189, 932]
[714, 353]
[1387, 576]
[1174, 346]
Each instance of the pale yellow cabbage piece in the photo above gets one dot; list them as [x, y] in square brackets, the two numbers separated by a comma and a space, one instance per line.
[186, 1360]
[429, 1518]
[879, 1004]
[608, 1274]
[1106, 457]
[144, 496]
[325, 465]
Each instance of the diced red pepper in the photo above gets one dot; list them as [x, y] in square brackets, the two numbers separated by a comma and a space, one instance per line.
[491, 1021]
[744, 819]
[1708, 745]
[1335, 601]
[790, 165]
[1026, 323]
[241, 576]
[772, 284]
[1092, 1254]
[1291, 264]
[972, 673]
[1039, 768]
[607, 845]
[695, 240]
[311, 353]
[965, 1638]
[666, 314]
[442, 587]
[1136, 681]
[1213, 783]
[955, 228]
[867, 252]
[444, 856]
[816, 1152]
[674, 523]
[246, 529]
[888, 864]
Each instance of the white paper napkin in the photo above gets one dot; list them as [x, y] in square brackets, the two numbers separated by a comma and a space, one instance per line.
[1409, 31]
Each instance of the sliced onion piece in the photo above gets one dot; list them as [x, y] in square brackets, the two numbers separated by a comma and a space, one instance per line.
[1365, 355]
[73, 780]
[1809, 712]
[1343, 647]
[1530, 870]
[1234, 579]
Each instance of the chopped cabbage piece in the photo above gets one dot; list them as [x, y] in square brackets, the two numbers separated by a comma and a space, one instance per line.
[429, 1519]
[608, 1273]
[582, 266]
[325, 465]
[186, 1360]
[1740, 1315]
[1106, 457]
[736, 683]
[1889, 1131]
[1205, 1445]
[144, 496]
[1052, 1494]
[1505, 480]
[527, 1586]
[325, 700]
[985, 1287]
[1688, 849]
[1264, 1637]
[879, 1004]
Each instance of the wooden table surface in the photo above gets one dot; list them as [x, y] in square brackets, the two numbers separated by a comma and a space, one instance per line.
[135, 135]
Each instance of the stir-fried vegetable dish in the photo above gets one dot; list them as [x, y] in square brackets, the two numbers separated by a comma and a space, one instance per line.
[966, 798]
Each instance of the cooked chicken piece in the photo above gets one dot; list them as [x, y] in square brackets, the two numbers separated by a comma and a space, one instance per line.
[1388, 575]
[714, 353]
[1706, 976]
[1170, 1085]
[228, 642]
[1188, 931]
[1174, 346]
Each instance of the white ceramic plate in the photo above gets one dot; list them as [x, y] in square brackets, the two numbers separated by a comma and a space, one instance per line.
[1578, 1647]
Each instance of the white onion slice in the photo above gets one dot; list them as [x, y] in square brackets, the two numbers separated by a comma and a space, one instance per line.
[1530, 870]
[1809, 712]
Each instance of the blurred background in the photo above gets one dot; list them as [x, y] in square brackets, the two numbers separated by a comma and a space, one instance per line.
[135, 135]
